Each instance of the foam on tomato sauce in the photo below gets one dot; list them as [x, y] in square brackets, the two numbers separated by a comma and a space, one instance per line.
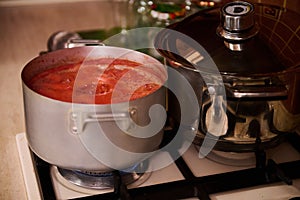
[100, 81]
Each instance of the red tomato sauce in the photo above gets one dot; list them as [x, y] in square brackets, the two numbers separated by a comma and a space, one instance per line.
[101, 81]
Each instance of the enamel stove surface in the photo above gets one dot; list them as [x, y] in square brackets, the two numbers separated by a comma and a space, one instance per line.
[201, 169]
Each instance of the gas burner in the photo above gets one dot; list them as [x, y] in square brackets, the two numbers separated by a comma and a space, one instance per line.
[245, 159]
[105, 180]
[238, 159]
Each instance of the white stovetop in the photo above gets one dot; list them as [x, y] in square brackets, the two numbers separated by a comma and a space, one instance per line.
[277, 191]
[199, 167]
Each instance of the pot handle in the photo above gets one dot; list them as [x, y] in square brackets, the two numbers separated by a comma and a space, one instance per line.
[83, 42]
[78, 120]
[257, 91]
[66, 39]
[270, 87]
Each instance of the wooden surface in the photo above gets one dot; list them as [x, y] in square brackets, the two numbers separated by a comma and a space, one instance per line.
[24, 31]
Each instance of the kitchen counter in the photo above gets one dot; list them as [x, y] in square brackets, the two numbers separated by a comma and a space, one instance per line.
[24, 30]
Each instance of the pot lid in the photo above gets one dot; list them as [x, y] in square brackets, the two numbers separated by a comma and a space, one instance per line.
[241, 38]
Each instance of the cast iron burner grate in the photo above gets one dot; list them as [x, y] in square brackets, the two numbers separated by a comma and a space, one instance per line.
[265, 172]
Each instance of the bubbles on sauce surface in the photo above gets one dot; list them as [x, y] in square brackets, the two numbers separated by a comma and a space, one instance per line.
[95, 81]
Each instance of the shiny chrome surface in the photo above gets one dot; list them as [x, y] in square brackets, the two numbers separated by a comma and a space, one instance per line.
[254, 72]
[66, 39]
[237, 16]
[237, 24]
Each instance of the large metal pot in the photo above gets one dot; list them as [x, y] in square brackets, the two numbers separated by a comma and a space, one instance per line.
[247, 99]
[93, 137]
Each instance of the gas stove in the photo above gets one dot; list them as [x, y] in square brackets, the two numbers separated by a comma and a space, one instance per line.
[271, 174]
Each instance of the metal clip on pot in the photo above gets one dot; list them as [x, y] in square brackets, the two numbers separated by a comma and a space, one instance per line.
[216, 120]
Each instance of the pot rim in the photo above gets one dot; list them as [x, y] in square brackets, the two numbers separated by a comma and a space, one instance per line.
[86, 50]
[90, 104]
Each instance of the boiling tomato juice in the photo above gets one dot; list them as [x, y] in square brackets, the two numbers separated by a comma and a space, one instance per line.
[100, 81]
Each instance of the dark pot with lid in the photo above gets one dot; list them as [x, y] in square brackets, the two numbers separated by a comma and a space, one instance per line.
[242, 61]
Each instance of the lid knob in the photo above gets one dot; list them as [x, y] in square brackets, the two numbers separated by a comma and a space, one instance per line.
[237, 16]
[237, 24]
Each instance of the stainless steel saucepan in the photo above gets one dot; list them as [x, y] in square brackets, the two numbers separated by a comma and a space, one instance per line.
[94, 137]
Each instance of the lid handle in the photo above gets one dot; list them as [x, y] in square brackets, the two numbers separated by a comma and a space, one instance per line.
[237, 24]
